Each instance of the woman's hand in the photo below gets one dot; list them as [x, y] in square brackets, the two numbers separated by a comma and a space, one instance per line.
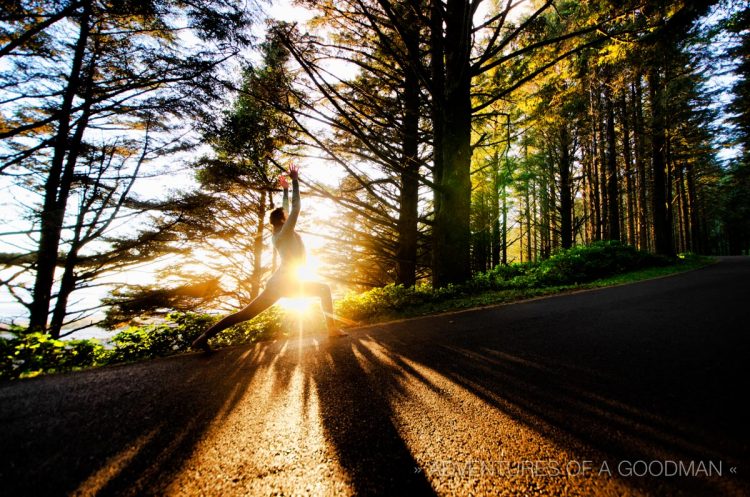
[294, 171]
[283, 182]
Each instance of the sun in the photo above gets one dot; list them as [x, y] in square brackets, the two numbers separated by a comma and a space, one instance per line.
[296, 305]
[305, 272]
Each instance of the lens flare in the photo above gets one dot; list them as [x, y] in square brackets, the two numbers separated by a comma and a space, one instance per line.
[298, 305]
[305, 272]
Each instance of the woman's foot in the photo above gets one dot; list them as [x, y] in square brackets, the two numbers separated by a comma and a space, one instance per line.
[201, 343]
[336, 334]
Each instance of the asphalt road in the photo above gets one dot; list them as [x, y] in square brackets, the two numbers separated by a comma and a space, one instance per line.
[605, 392]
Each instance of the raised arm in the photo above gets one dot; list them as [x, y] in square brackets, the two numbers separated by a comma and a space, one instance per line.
[284, 184]
[291, 220]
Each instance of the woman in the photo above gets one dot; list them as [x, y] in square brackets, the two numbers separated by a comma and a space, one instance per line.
[285, 281]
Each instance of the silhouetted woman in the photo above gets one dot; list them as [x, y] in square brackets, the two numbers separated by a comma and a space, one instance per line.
[285, 281]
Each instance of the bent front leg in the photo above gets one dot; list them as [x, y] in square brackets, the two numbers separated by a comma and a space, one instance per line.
[262, 302]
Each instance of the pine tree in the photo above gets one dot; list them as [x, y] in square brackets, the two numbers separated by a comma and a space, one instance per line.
[92, 78]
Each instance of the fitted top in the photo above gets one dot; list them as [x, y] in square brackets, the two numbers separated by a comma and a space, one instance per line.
[286, 241]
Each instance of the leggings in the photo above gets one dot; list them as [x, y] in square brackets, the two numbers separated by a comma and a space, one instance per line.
[278, 286]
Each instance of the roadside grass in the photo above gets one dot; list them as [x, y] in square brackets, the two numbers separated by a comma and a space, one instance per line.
[495, 297]
[25, 354]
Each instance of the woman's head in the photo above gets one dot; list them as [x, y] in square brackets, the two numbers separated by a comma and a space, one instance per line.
[277, 217]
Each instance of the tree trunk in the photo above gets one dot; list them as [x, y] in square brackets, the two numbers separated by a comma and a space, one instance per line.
[504, 232]
[640, 164]
[613, 197]
[258, 247]
[566, 199]
[685, 211]
[586, 187]
[554, 229]
[628, 157]
[594, 168]
[545, 214]
[406, 251]
[452, 236]
[669, 182]
[601, 129]
[695, 232]
[437, 109]
[495, 209]
[588, 192]
[55, 190]
[662, 229]
[527, 206]
[68, 280]
[535, 220]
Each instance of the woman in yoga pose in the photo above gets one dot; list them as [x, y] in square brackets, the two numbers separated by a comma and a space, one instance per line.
[285, 281]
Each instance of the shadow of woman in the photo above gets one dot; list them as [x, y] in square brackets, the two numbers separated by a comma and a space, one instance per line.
[358, 422]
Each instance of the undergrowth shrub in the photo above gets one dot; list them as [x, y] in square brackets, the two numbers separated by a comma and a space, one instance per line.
[576, 265]
[24, 354]
[27, 354]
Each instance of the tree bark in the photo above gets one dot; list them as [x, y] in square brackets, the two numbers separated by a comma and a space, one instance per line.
[504, 209]
[554, 224]
[437, 83]
[695, 231]
[258, 247]
[406, 251]
[69, 279]
[451, 232]
[527, 204]
[586, 187]
[662, 229]
[566, 199]
[495, 209]
[57, 187]
[684, 211]
[594, 168]
[640, 164]
[545, 213]
[628, 158]
[613, 197]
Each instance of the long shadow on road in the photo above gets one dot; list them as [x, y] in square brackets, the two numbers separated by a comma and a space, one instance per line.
[357, 417]
[120, 431]
[131, 430]
[648, 372]
[644, 372]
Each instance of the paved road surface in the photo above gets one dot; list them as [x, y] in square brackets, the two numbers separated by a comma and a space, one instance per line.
[537, 398]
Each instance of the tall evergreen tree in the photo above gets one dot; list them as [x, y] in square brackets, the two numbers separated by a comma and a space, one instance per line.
[78, 74]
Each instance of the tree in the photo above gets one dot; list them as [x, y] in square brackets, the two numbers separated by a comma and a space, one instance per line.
[375, 117]
[226, 229]
[737, 186]
[458, 51]
[126, 71]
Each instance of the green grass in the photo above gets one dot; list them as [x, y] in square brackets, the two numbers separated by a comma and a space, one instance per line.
[494, 297]
[602, 264]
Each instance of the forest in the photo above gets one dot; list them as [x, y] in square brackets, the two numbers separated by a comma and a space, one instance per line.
[437, 140]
